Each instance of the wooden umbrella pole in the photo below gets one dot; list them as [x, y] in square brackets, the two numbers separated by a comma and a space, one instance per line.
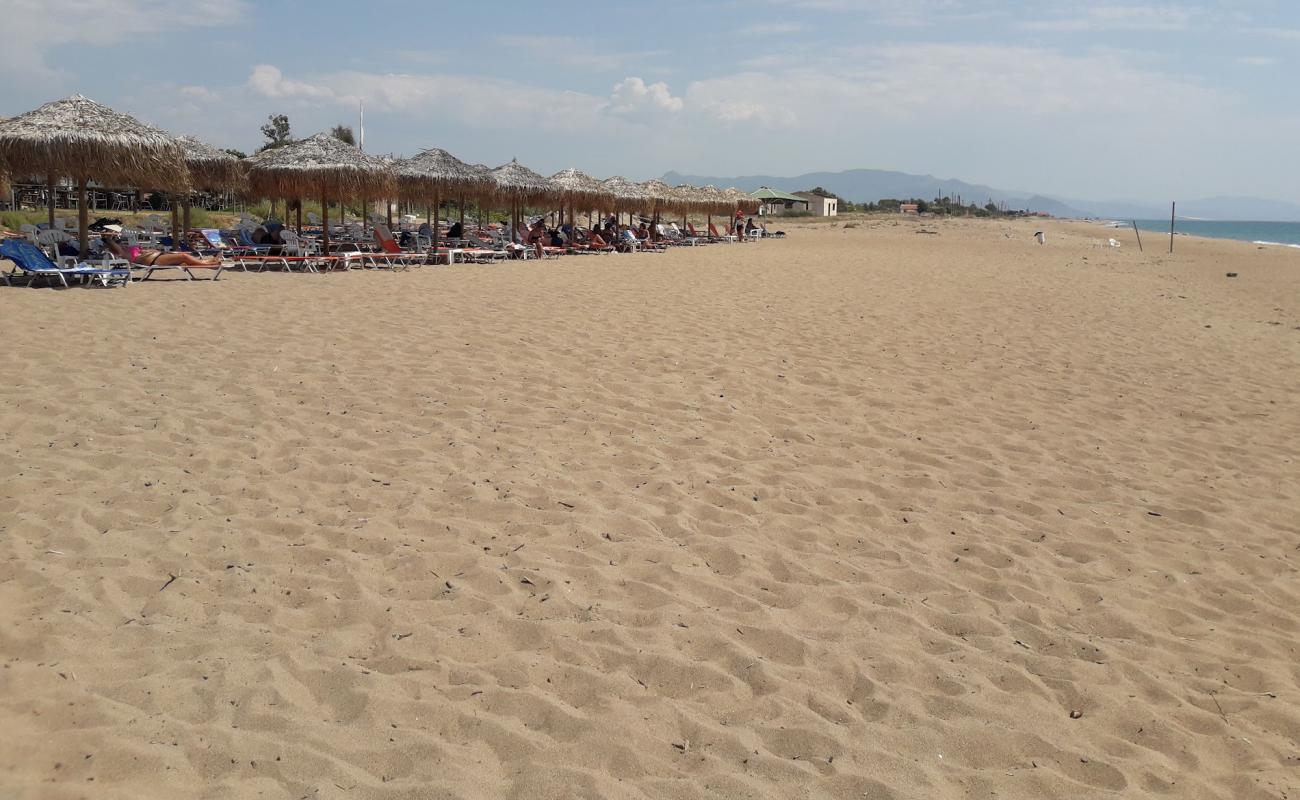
[185, 218]
[433, 235]
[83, 218]
[49, 196]
[462, 213]
[325, 226]
[299, 217]
[176, 226]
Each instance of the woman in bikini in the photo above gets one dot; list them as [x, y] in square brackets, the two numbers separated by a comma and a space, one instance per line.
[153, 257]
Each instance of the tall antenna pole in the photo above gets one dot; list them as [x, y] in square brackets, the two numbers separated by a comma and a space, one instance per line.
[361, 126]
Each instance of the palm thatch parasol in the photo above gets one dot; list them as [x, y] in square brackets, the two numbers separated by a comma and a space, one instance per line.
[318, 166]
[516, 182]
[517, 185]
[435, 174]
[211, 168]
[718, 202]
[80, 139]
[661, 196]
[574, 186]
[742, 201]
[624, 195]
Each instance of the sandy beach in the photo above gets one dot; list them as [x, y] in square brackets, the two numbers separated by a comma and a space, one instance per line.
[861, 513]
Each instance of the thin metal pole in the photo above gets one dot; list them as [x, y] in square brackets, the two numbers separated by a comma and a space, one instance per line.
[1173, 208]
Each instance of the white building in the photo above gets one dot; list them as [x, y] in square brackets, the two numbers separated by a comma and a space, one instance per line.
[821, 206]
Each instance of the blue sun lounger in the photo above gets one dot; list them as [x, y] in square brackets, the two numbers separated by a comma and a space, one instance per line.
[35, 264]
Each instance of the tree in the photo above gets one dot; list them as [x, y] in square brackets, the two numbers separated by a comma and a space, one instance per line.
[820, 192]
[276, 131]
[236, 153]
[344, 134]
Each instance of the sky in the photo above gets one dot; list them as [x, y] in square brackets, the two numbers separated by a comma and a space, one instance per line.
[1071, 98]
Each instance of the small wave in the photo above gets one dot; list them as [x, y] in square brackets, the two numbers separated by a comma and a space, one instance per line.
[1277, 244]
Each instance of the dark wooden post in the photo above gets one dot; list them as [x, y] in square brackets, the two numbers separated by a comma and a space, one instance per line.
[325, 226]
[83, 219]
[49, 196]
[433, 236]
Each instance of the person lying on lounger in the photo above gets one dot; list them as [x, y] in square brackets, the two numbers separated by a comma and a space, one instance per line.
[152, 257]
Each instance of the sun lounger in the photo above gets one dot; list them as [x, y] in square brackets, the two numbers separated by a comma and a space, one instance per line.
[28, 258]
[256, 263]
[391, 252]
[713, 232]
[187, 269]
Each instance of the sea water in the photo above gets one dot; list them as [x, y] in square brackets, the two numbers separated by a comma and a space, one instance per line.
[1282, 234]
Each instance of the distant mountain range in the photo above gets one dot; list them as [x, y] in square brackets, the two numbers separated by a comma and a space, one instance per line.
[870, 185]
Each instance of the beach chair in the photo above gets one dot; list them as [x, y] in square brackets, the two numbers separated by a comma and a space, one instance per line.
[49, 241]
[293, 246]
[391, 253]
[677, 232]
[246, 241]
[713, 232]
[29, 258]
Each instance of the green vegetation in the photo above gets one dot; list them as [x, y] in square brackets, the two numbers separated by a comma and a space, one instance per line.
[276, 131]
[344, 134]
[939, 206]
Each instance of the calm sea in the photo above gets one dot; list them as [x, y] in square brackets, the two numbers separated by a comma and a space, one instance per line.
[1276, 233]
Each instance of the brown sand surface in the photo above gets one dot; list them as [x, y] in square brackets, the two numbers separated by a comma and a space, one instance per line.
[863, 513]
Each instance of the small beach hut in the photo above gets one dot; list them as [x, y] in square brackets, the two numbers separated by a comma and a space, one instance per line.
[320, 166]
[80, 139]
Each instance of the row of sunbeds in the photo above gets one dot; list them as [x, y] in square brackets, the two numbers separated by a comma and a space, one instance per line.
[239, 252]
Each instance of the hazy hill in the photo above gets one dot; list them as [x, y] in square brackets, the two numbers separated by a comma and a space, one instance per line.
[870, 185]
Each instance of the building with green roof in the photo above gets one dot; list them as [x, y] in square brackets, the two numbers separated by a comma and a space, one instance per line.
[778, 202]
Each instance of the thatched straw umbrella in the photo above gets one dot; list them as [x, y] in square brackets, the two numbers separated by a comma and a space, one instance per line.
[434, 174]
[318, 166]
[623, 194]
[662, 198]
[741, 201]
[718, 202]
[484, 173]
[574, 186]
[211, 169]
[517, 185]
[80, 139]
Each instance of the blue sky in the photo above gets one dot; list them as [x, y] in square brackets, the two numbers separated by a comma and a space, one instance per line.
[1077, 99]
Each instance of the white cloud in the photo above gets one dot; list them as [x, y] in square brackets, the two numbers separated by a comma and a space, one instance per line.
[1259, 61]
[270, 82]
[634, 97]
[942, 82]
[33, 28]
[1114, 17]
